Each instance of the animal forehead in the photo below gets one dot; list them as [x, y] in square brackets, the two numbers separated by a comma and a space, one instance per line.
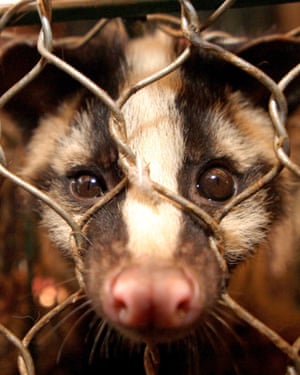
[197, 102]
[190, 111]
[147, 55]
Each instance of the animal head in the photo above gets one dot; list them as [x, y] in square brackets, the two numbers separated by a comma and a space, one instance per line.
[202, 132]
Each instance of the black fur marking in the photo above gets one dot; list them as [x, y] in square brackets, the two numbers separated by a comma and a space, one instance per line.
[101, 146]
[203, 88]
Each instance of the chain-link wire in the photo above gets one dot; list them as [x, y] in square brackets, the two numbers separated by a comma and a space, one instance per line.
[197, 33]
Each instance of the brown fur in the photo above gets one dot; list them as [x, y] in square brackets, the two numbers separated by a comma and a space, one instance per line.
[239, 130]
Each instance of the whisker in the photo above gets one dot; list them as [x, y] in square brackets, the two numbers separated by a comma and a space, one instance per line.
[217, 339]
[211, 334]
[108, 337]
[192, 342]
[229, 328]
[91, 325]
[66, 281]
[101, 326]
[65, 318]
[78, 321]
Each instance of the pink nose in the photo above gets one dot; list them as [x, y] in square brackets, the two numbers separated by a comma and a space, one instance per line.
[162, 297]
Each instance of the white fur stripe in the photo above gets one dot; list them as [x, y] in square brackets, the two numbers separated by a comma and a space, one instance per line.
[155, 136]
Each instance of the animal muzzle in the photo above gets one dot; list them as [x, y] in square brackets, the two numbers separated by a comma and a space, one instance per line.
[152, 300]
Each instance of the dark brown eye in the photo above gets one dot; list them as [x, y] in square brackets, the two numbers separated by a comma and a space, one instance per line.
[217, 184]
[87, 187]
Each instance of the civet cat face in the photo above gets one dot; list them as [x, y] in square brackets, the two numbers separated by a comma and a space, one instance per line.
[200, 132]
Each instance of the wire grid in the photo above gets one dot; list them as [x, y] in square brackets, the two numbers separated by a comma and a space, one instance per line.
[190, 27]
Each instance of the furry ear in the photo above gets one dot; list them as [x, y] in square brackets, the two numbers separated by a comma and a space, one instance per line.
[275, 55]
[99, 59]
[40, 96]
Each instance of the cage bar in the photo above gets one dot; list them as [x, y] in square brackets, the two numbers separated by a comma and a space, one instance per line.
[72, 10]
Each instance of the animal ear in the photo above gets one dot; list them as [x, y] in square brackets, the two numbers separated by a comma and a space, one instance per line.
[98, 59]
[40, 96]
[275, 56]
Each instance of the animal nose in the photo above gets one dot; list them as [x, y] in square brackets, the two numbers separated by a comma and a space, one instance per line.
[157, 297]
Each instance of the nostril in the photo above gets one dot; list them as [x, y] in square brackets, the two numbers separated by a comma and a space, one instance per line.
[183, 307]
[124, 318]
[181, 298]
[123, 299]
[120, 306]
[164, 298]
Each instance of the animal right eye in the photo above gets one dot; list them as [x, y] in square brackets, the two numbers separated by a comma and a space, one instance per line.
[87, 187]
[216, 183]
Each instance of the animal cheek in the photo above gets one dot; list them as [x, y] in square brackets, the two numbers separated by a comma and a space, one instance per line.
[243, 230]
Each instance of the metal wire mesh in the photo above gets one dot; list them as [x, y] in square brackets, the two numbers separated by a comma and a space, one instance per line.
[189, 26]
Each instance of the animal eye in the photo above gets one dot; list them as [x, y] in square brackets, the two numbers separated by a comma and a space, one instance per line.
[216, 183]
[87, 187]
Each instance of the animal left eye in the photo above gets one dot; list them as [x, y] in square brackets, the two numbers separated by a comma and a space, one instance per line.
[87, 187]
[216, 183]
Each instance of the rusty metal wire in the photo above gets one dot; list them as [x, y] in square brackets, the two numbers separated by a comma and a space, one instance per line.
[197, 33]
[27, 366]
